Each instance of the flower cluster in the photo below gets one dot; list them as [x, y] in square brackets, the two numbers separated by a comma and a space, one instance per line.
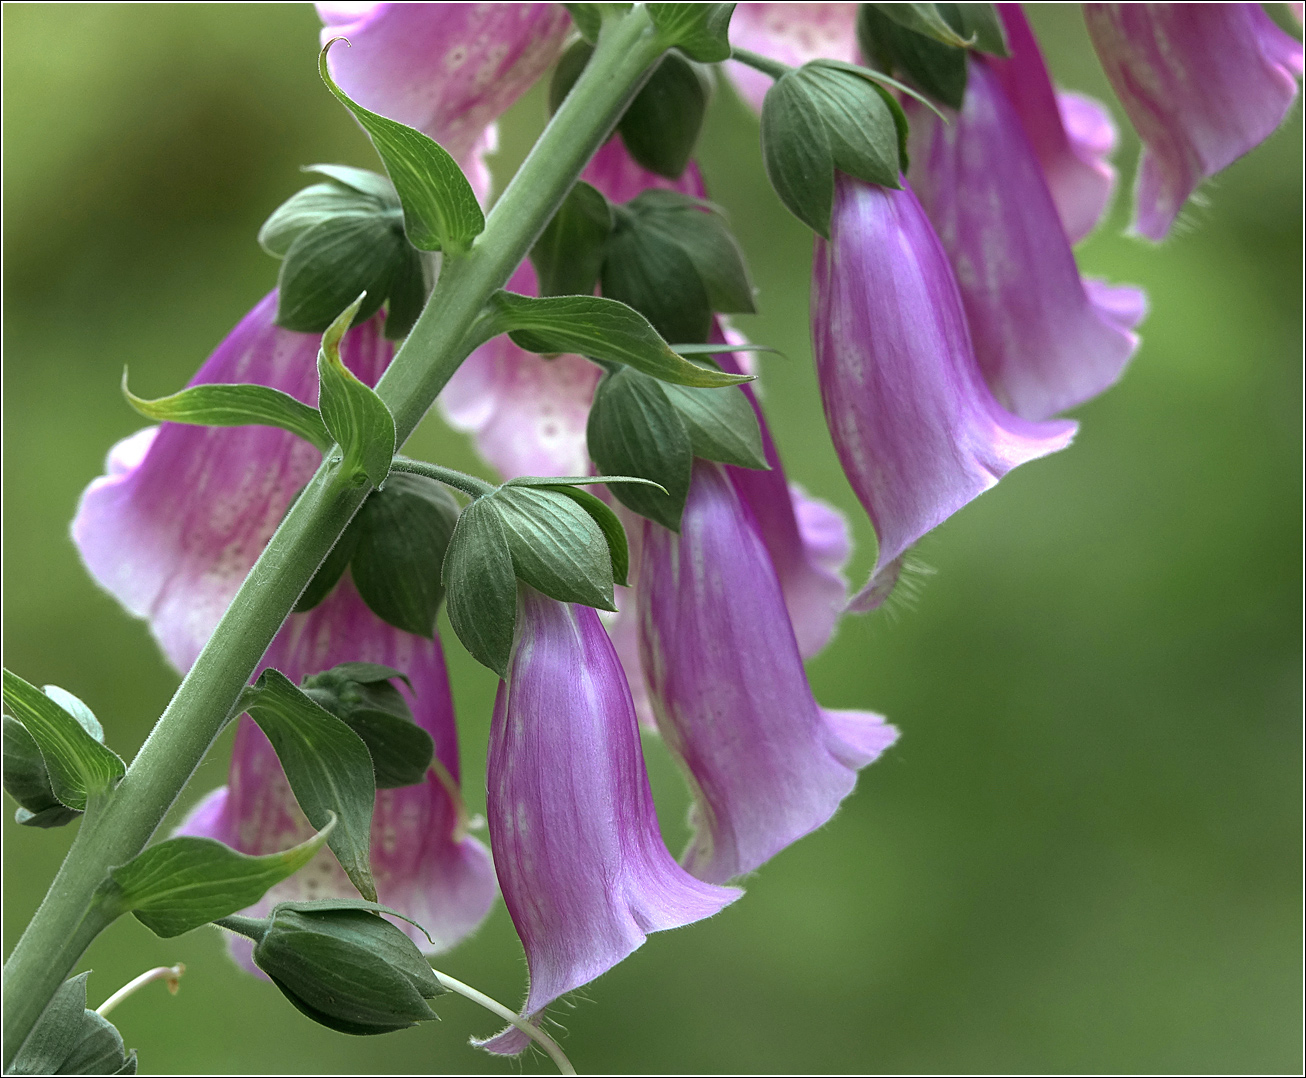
[951, 329]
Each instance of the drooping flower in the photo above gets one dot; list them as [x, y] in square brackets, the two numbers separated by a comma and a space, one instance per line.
[449, 70]
[767, 765]
[1071, 134]
[918, 432]
[422, 863]
[581, 862]
[1201, 83]
[1042, 342]
[792, 34]
[172, 530]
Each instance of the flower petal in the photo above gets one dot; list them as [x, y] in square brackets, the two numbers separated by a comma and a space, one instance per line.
[584, 872]
[917, 431]
[1201, 83]
[1041, 342]
[792, 34]
[449, 70]
[767, 765]
[424, 867]
[182, 514]
[1071, 134]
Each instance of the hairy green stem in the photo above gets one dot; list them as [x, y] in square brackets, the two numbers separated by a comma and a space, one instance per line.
[67, 920]
[468, 484]
[761, 63]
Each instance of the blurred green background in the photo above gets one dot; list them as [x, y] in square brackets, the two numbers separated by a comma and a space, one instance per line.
[1084, 853]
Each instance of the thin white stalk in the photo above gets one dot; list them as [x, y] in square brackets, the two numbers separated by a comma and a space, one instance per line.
[170, 974]
[532, 1031]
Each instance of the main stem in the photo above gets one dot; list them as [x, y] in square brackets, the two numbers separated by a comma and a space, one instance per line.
[70, 918]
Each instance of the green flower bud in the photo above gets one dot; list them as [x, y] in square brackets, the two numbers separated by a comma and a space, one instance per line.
[346, 968]
[27, 781]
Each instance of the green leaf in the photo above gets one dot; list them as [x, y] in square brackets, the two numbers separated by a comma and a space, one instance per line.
[440, 208]
[861, 127]
[609, 524]
[925, 19]
[556, 546]
[797, 153]
[327, 765]
[308, 207]
[569, 253]
[982, 24]
[655, 276]
[70, 1039]
[700, 231]
[662, 123]
[937, 69]
[577, 480]
[718, 349]
[482, 586]
[28, 783]
[78, 765]
[331, 263]
[356, 417]
[633, 429]
[602, 328]
[403, 533]
[721, 423]
[701, 31]
[183, 883]
[222, 405]
[587, 19]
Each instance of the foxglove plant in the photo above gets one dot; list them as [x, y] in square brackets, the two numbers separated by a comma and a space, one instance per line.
[291, 562]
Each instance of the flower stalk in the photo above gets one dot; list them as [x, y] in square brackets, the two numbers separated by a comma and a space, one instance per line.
[69, 918]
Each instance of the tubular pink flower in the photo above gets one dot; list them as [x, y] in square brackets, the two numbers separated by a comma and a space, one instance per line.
[581, 862]
[449, 70]
[792, 34]
[1201, 83]
[767, 765]
[918, 432]
[1042, 343]
[182, 514]
[424, 866]
[1071, 134]
[171, 531]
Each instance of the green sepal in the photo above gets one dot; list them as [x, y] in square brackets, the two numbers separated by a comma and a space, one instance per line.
[556, 546]
[227, 405]
[587, 20]
[346, 968]
[797, 153]
[311, 206]
[569, 253]
[354, 415]
[182, 883]
[634, 429]
[609, 524]
[403, 532]
[78, 765]
[567, 70]
[481, 584]
[327, 765]
[440, 208]
[700, 31]
[981, 25]
[662, 123]
[69, 1038]
[924, 19]
[653, 275]
[862, 128]
[722, 425]
[28, 783]
[602, 328]
[361, 180]
[361, 696]
[408, 291]
[334, 261]
[937, 69]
